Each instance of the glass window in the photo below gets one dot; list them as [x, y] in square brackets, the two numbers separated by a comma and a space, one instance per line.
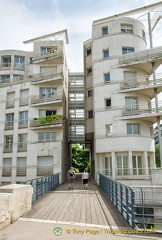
[22, 141]
[89, 52]
[89, 71]
[90, 93]
[137, 165]
[107, 77]
[122, 165]
[90, 114]
[17, 78]
[4, 78]
[127, 50]
[131, 104]
[132, 128]
[23, 118]
[106, 53]
[104, 30]
[8, 142]
[6, 61]
[45, 113]
[48, 50]
[9, 119]
[108, 103]
[126, 28]
[47, 92]
[19, 62]
[46, 137]
[108, 166]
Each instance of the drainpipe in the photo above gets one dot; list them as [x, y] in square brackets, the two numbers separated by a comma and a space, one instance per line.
[155, 90]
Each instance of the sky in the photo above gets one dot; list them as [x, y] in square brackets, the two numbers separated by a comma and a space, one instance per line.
[21, 20]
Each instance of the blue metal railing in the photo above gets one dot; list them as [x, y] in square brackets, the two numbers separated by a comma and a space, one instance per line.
[121, 196]
[43, 185]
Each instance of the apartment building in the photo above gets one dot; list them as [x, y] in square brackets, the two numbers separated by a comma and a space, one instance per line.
[34, 112]
[120, 86]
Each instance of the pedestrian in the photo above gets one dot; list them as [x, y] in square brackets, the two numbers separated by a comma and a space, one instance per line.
[70, 176]
[85, 177]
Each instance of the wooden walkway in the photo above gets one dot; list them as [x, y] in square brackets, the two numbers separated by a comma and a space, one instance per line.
[78, 207]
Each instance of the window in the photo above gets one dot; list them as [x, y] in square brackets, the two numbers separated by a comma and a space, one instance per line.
[76, 97]
[108, 103]
[77, 113]
[89, 71]
[17, 78]
[106, 53]
[131, 104]
[90, 114]
[104, 30]
[9, 119]
[4, 78]
[21, 166]
[7, 167]
[19, 62]
[22, 141]
[137, 165]
[6, 61]
[122, 165]
[130, 78]
[89, 51]
[108, 129]
[10, 100]
[47, 92]
[46, 137]
[132, 128]
[23, 118]
[90, 93]
[45, 113]
[8, 142]
[45, 166]
[127, 50]
[126, 28]
[48, 50]
[108, 166]
[24, 97]
[107, 77]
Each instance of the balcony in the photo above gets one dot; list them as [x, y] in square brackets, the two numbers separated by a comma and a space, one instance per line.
[21, 171]
[35, 124]
[44, 170]
[143, 87]
[19, 66]
[52, 56]
[142, 59]
[5, 64]
[47, 77]
[47, 99]
[149, 114]
[7, 172]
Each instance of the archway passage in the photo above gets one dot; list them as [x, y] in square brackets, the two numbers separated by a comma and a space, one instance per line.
[80, 158]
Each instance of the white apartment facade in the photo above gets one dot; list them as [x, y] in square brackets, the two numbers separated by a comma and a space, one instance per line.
[34, 86]
[118, 108]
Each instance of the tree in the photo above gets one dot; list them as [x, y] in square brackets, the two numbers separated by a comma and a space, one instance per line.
[157, 156]
[80, 158]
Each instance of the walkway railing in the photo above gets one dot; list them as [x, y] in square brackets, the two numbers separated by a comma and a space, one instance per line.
[121, 196]
[43, 185]
[141, 206]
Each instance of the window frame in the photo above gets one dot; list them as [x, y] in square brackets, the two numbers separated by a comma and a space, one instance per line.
[133, 130]
[105, 31]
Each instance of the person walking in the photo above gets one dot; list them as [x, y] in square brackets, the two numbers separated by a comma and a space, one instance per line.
[70, 176]
[85, 177]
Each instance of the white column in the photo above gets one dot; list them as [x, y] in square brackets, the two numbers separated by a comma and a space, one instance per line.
[130, 165]
[145, 163]
[113, 165]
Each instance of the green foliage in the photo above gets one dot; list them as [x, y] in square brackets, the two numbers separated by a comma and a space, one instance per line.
[49, 119]
[157, 156]
[80, 158]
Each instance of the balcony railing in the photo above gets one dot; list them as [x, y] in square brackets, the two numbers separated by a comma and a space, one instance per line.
[46, 98]
[6, 64]
[142, 56]
[8, 147]
[7, 80]
[47, 55]
[22, 147]
[19, 65]
[126, 171]
[21, 171]
[7, 172]
[139, 111]
[55, 123]
[36, 78]
[44, 171]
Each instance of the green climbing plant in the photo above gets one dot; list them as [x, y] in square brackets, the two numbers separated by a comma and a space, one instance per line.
[49, 119]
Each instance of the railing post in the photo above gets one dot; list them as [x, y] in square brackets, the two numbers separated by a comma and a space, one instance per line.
[132, 208]
[121, 199]
[36, 189]
[127, 204]
[116, 193]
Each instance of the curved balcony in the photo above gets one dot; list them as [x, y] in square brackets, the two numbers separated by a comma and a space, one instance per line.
[143, 87]
[46, 99]
[47, 77]
[52, 56]
[142, 59]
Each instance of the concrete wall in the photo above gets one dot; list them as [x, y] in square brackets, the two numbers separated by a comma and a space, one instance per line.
[15, 201]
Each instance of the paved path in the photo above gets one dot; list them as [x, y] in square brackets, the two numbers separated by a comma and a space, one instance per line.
[81, 214]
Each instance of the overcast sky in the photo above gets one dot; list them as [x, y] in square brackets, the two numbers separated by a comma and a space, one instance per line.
[21, 20]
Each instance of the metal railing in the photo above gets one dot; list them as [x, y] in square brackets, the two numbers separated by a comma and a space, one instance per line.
[46, 76]
[43, 185]
[47, 98]
[47, 56]
[141, 206]
[121, 196]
